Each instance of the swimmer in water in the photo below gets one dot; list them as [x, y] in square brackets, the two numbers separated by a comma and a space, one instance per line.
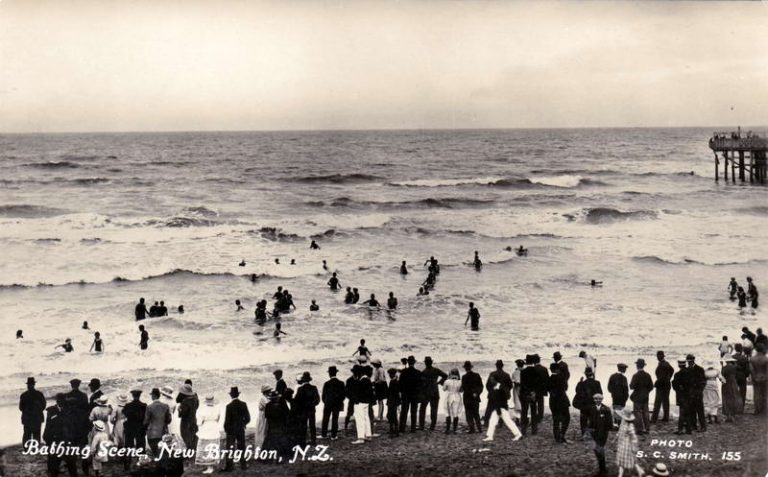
[239, 306]
[314, 246]
[144, 338]
[473, 316]
[67, 345]
[85, 325]
[372, 302]
[19, 334]
[278, 331]
[422, 291]
[314, 306]
[355, 296]
[403, 269]
[180, 309]
[325, 266]
[334, 282]
[278, 294]
[362, 350]
[349, 296]
[277, 261]
[430, 281]
[141, 310]
[293, 261]
[242, 263]
[733, 287]
[392, 301]
[596, 284]
[97, 345]
[522, 252]
[477, 262]
[253, 277]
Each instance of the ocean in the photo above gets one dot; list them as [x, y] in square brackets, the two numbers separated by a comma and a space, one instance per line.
[91, 222]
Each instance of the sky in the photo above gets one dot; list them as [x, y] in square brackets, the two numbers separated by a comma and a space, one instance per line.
[167, 65]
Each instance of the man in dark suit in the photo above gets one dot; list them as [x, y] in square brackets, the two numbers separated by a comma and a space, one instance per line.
[599, 425]
[528, 387]
[76, 406]
[280, 386]
[58, 430]
[472, 387]
[432, 378]
[96, 393]
[410, 388]
[31, 404]
[350, 390]
[558, 403]
[504, 379]
[333, 403]
[133, 427]
[619, 389]
[663, 385]
[682, 386]
[236, 417]
[698, 382]
[305, 401]
[393, 401]
[582, 400]
[564, 371]
[542, 386]
[641, 386]
[156, 420]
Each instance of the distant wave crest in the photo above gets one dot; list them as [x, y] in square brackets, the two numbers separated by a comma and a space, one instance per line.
[602, 215]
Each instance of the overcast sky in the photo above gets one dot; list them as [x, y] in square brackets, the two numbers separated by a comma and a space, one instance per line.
[247, 65]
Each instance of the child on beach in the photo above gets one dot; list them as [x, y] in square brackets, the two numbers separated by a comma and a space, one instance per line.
[626, 450]
[99, 443]
[97, 345]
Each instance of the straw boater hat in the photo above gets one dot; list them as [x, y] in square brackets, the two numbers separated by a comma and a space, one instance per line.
[167, 438]
[102, 399]
[209, 400]
[122, 398]
[99, 425]
[627, 414]
[376, 361]
[265, 389]
[660, 470]
[167, 391]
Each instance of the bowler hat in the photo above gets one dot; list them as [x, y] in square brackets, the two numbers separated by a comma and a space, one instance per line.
[31, 380]
[332, 369]
[499, 363]
[75, 382]
[411, 359]
[520, 362]
[640, 362]
[155, 392]
[95, 383]
[528, 359]
[305, 377]
[557, 355]
[277, 371]
[467, 365]
[621, 366]
[234, 392]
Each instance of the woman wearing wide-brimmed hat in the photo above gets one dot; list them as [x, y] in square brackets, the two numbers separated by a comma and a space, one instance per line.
[118, 420]
[453, 401]
[208, 446]
[712, 393]
[174, 428]
[261, 418]
[626, 450]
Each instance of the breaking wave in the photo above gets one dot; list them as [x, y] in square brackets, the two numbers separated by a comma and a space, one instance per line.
[604, 215]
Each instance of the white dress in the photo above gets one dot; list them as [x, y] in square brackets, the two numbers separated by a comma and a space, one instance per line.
[261, 422]
[174, 428]
[453, 402]
[208, 434]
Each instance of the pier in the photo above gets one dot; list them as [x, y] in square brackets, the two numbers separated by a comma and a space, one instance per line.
[746, 155]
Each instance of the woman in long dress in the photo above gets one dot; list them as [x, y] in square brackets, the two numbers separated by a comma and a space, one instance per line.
[626, 449]
[517, 405]
[118, 421]
[101, 412]
[174, 428]
[453, 402]
[731, 397]
[261, 418]
[712, 394]
[208, 447]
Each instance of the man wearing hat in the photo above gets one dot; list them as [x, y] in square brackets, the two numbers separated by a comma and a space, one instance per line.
[31, 404]
[76, 406]
[758, 368]
[542, 383]
[280, 386]
[641, 386]
[59, 430]
[504, 379]
[682, 386]
[582, 400]
[133, 427]
[599, 425]
[565, 373]
[472, 387]
[619, 389]
[698, 382]
[236, 417]
[333, 403]
[410, 386]
[559, 403]
[663, 385]
[156, 420]
[528, 386]
[432, 378]
[188, 404]
[96, 392]
[304, 402]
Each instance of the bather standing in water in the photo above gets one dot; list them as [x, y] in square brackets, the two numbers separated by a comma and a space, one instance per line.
[473, 316]
[355, 296]
[67, 346]
[314, 306]
[349, 296]
[403, 269]
[334, 282]
[314, 246]
[392, 301]
[477, 262]
[733, 288]
[372, 302]
[239, 306]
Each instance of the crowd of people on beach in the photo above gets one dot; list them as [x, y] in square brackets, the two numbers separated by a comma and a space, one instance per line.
[404, 395]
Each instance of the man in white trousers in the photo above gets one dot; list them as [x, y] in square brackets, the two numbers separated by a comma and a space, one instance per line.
[497, 402]
[363, 398]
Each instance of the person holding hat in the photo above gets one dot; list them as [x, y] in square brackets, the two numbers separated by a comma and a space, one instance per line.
[663, 385]
[236, 417]
[681, 383]
[187, 411]
[626, 447]
[599, 425]
[156, 420]
[410, 386]
[134, 432]
[587, 387]
[619, 389]
[333, 403]
[432, 379]
[117, 420]
[698, 382]
[207, 452]
[99, 443]
[660, 470]
[304, 405]
[31, 404]
[471, 388]
[641, 386]
[261, 418]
